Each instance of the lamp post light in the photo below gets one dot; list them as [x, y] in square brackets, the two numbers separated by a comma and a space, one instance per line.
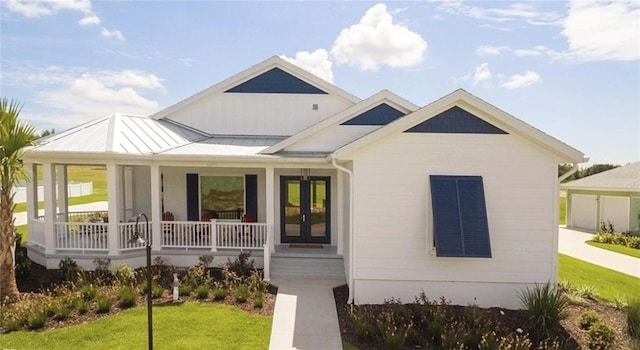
[137, 239]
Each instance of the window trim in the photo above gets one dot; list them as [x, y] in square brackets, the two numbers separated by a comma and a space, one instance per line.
[431, 225]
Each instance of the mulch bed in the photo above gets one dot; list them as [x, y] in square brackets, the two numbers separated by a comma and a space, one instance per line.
[572, 336]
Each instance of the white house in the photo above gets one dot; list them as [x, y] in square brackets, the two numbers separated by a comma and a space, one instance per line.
[457, 199]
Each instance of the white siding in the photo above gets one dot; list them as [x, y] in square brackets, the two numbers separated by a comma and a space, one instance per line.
[331, 138]
[393, 213]
[258, 114]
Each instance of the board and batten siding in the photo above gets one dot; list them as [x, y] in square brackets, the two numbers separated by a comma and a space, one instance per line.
[394, 255]
[258, 114]
[332, 138]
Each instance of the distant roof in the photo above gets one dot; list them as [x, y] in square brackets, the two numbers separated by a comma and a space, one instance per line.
[121, 134]
[624, 178]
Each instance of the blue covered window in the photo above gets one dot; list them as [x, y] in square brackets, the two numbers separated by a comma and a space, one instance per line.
[460, 224]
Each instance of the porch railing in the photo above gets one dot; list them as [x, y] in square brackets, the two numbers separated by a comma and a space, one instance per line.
[85, 236]
[228, 234]
[36, 232]
[125, 233]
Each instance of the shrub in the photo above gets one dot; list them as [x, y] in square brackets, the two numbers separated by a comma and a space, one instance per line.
[197, 276]
[202, 292]
[242, 265]
[70, 269]
[363, 324]
[205, 260]
[23, 263]
[242, 293]
[37, 320]
[61, 312]
[588, 319]
[82, 306]
[88, 292]
[601, 336]
[258, 299]
[185, 290]
[156, 291]
[125, 275]
[220, 293]
[633, 319]
[127, 297]
[544, 307]
[104, 304]
[586, 292]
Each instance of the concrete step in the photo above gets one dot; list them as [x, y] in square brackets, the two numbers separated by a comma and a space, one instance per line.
[325, 266]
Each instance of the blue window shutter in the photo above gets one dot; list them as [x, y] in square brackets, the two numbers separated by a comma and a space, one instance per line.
[193, 198]
[459, 216]
[251, 195]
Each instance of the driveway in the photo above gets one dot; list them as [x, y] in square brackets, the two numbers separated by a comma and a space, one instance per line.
[571, 242]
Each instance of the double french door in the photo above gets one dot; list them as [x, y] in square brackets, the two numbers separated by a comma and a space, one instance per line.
[305, 210]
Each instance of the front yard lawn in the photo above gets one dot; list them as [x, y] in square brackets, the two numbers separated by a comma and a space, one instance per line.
[610, 285]
[175, 326]
[617, 248]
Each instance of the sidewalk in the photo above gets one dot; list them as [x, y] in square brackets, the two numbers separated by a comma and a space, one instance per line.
[21, 218]
[305, 315]
[571, 242]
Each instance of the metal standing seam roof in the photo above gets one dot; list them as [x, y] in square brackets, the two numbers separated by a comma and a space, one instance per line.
[622, 178]
[119, 133]
[226, 146]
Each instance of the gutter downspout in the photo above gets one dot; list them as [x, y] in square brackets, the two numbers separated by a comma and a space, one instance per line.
[351, 226]
[568, 173]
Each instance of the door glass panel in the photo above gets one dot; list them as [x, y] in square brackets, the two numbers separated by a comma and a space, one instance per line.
[292, 208]
[318, 196]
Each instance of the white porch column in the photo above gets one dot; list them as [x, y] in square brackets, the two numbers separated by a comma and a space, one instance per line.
[63, 195]
[113, 200]
[32, 198]
[340, 203]
[270, 206]
[50, 210]
[156, 209]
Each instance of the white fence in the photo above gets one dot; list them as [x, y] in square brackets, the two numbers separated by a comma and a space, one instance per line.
[73, 190]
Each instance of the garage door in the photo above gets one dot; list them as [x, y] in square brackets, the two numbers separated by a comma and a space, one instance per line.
[615, 210]
[584, 212]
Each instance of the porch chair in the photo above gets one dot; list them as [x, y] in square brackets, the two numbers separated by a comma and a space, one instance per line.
[247, 232]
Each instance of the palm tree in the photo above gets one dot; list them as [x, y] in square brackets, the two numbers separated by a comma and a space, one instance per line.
[15, 136]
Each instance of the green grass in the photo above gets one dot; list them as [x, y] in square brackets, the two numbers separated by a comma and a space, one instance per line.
[95, 174]
[185, 326]
[617, 248]
[609, 284]
[22, 229]
[563, 211]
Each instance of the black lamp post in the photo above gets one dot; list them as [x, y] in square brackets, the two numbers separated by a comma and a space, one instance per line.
[139, 240]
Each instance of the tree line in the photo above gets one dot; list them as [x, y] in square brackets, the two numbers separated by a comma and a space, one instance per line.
[583, 172]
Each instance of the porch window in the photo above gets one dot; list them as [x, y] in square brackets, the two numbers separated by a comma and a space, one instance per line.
[460, 226]
[222, 197]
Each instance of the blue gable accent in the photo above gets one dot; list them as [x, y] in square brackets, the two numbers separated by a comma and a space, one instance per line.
[456, 121]
[382, 114]
[276, 81]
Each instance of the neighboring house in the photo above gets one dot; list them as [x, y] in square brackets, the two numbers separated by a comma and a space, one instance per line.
[612, 196]
[456, 199]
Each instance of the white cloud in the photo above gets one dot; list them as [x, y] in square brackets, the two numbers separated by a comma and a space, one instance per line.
[482, 73]
[377, 41]
[603, 30]
[521, 80]
[35, 9]
[316, 62]
[515, 12]
[112, 34]
[70, 96]
[488, 50]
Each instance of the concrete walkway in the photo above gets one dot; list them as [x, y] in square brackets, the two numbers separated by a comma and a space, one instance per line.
[571, 242]
[305, 315]
[21, 218]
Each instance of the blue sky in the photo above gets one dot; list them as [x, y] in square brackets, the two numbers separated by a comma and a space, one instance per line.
[570, 69]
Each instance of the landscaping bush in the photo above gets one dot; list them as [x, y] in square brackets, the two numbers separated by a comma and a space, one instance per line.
[156, 290]
[82, 306]
[242, 265]
[633, 319]
[196, 276]
[125, 275]
[185, 290]
[70, 269]
[127, 297]
[258, 299]
[363, 321]
[88, 291]
[242, 293]
[587, 292]
[23, 263]
[205, 260]
[104, 304]
[202, 292]
[544, 307]
[220, 293]
[61, 312]
[588, 319]
[37, 320]
[601, 336]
